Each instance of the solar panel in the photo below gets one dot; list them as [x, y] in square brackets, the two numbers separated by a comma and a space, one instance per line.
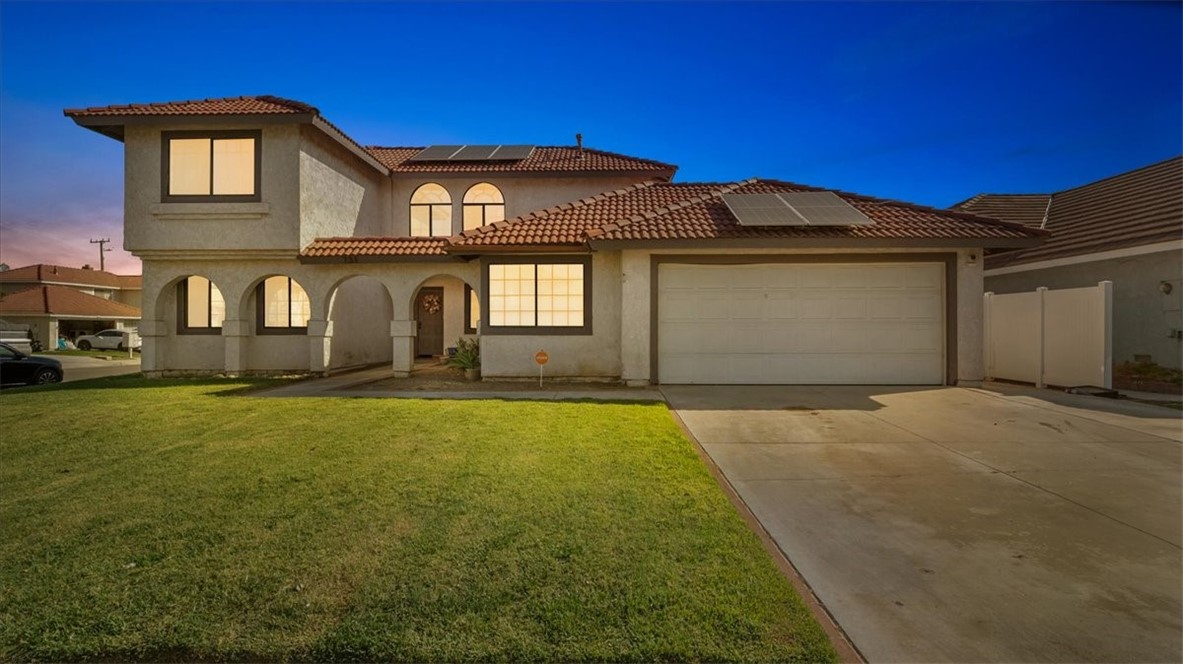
[805, 208]
[437, 153]
[762, 210]
[512, 152]
[824, 208]
[475, 153]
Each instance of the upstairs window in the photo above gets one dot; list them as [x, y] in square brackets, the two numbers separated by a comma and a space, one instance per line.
[431, 211]
[200, 306]
[211, 166]
[283, 306]
[483, 204]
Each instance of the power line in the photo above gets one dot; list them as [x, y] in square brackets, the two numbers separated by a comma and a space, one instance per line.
[102, 249]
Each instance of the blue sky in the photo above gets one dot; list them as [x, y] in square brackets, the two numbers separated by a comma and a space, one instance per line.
[926, 102]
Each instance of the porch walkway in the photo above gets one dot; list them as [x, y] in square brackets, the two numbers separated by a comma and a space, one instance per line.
[376, 382]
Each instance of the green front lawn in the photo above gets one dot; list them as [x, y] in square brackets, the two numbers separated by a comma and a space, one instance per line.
[181, 520]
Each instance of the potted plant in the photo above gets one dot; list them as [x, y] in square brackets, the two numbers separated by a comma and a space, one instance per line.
[468, 357]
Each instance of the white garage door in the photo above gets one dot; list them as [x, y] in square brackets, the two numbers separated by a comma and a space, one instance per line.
[856, 324]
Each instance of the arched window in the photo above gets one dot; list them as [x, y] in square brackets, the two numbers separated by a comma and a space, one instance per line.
[200, 307]
[283, 306]
[431, 211]
[483, 204]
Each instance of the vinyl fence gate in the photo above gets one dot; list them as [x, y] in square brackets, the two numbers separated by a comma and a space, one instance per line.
[1051, 337]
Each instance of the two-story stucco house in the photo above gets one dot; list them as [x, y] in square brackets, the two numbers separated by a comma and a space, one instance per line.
[273, 242]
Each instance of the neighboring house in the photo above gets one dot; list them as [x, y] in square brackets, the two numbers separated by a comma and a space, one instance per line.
[273, 242]
[1127, 229]
[55, 300]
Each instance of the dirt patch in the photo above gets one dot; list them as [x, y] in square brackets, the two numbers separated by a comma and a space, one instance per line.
[438, 378]
[1146, 377]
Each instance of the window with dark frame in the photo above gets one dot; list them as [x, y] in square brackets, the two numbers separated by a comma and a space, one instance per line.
[472, 311]
[431, 211]
[200, 306]
[204, 166]
[548, 296]
[282, 306]
[483, 205]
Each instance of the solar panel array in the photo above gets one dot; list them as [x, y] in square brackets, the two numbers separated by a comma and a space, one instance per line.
[802, 208]
[474, 153]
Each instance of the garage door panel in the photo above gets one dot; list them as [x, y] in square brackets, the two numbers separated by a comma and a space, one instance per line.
[746, 304]
[924, 306]
[801, 323]
[885, 277]
[813, 304]
[850, 306]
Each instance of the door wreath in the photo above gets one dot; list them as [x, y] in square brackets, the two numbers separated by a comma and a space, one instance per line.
[431, 303]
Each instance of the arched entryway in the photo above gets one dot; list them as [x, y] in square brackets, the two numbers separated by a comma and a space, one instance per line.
[444, 309]
[359, 311]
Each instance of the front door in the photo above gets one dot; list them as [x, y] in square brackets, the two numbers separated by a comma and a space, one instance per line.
[429, 312]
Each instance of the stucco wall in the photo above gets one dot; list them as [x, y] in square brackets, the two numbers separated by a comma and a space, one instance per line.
[340, 195]
[361, 313]
[586, 356]
[1143, 316]
[522, 194]
[272, 223]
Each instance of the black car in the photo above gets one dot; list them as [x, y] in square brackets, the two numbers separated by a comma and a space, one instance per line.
[16, 368]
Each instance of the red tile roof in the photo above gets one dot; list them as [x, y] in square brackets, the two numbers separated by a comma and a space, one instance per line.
[63, 302]
[544, 159]
[1139, 207]
[375, 247]
[695, 211]
[254, 105]
[1027, 209]
[59, 274]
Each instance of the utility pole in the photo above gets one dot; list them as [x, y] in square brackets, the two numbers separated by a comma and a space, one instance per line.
[102, 249]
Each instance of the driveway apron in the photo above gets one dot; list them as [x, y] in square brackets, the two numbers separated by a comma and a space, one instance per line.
[953, 524]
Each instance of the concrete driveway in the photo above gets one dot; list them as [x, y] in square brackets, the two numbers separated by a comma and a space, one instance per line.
[952, 524]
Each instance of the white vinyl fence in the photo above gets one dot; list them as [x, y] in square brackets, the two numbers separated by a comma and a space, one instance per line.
[1051, 337]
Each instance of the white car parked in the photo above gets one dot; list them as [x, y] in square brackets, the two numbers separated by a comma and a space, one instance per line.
[109, 339]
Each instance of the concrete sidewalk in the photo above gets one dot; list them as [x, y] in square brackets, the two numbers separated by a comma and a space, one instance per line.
[348, 384]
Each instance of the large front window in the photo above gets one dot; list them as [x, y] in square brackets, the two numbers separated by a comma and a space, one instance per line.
[222, 166]
[431, 211]
[200, 306]
[483, 204]
[538, 295]
[283, 306]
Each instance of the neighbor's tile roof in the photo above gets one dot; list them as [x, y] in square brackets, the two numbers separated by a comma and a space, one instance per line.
[63, 302]
[1139, 207]
[253, 105]
[59, 274]
[324, 247]
[544, 159]
[695, 211]
[1026, 209]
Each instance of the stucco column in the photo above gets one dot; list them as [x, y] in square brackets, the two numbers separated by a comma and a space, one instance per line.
[234, 335]
[402, 336]
[320, 339]
[152, 345]
[971, 367]
[634, 317]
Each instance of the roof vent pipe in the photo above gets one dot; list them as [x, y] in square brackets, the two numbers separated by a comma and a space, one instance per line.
[579, 142]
